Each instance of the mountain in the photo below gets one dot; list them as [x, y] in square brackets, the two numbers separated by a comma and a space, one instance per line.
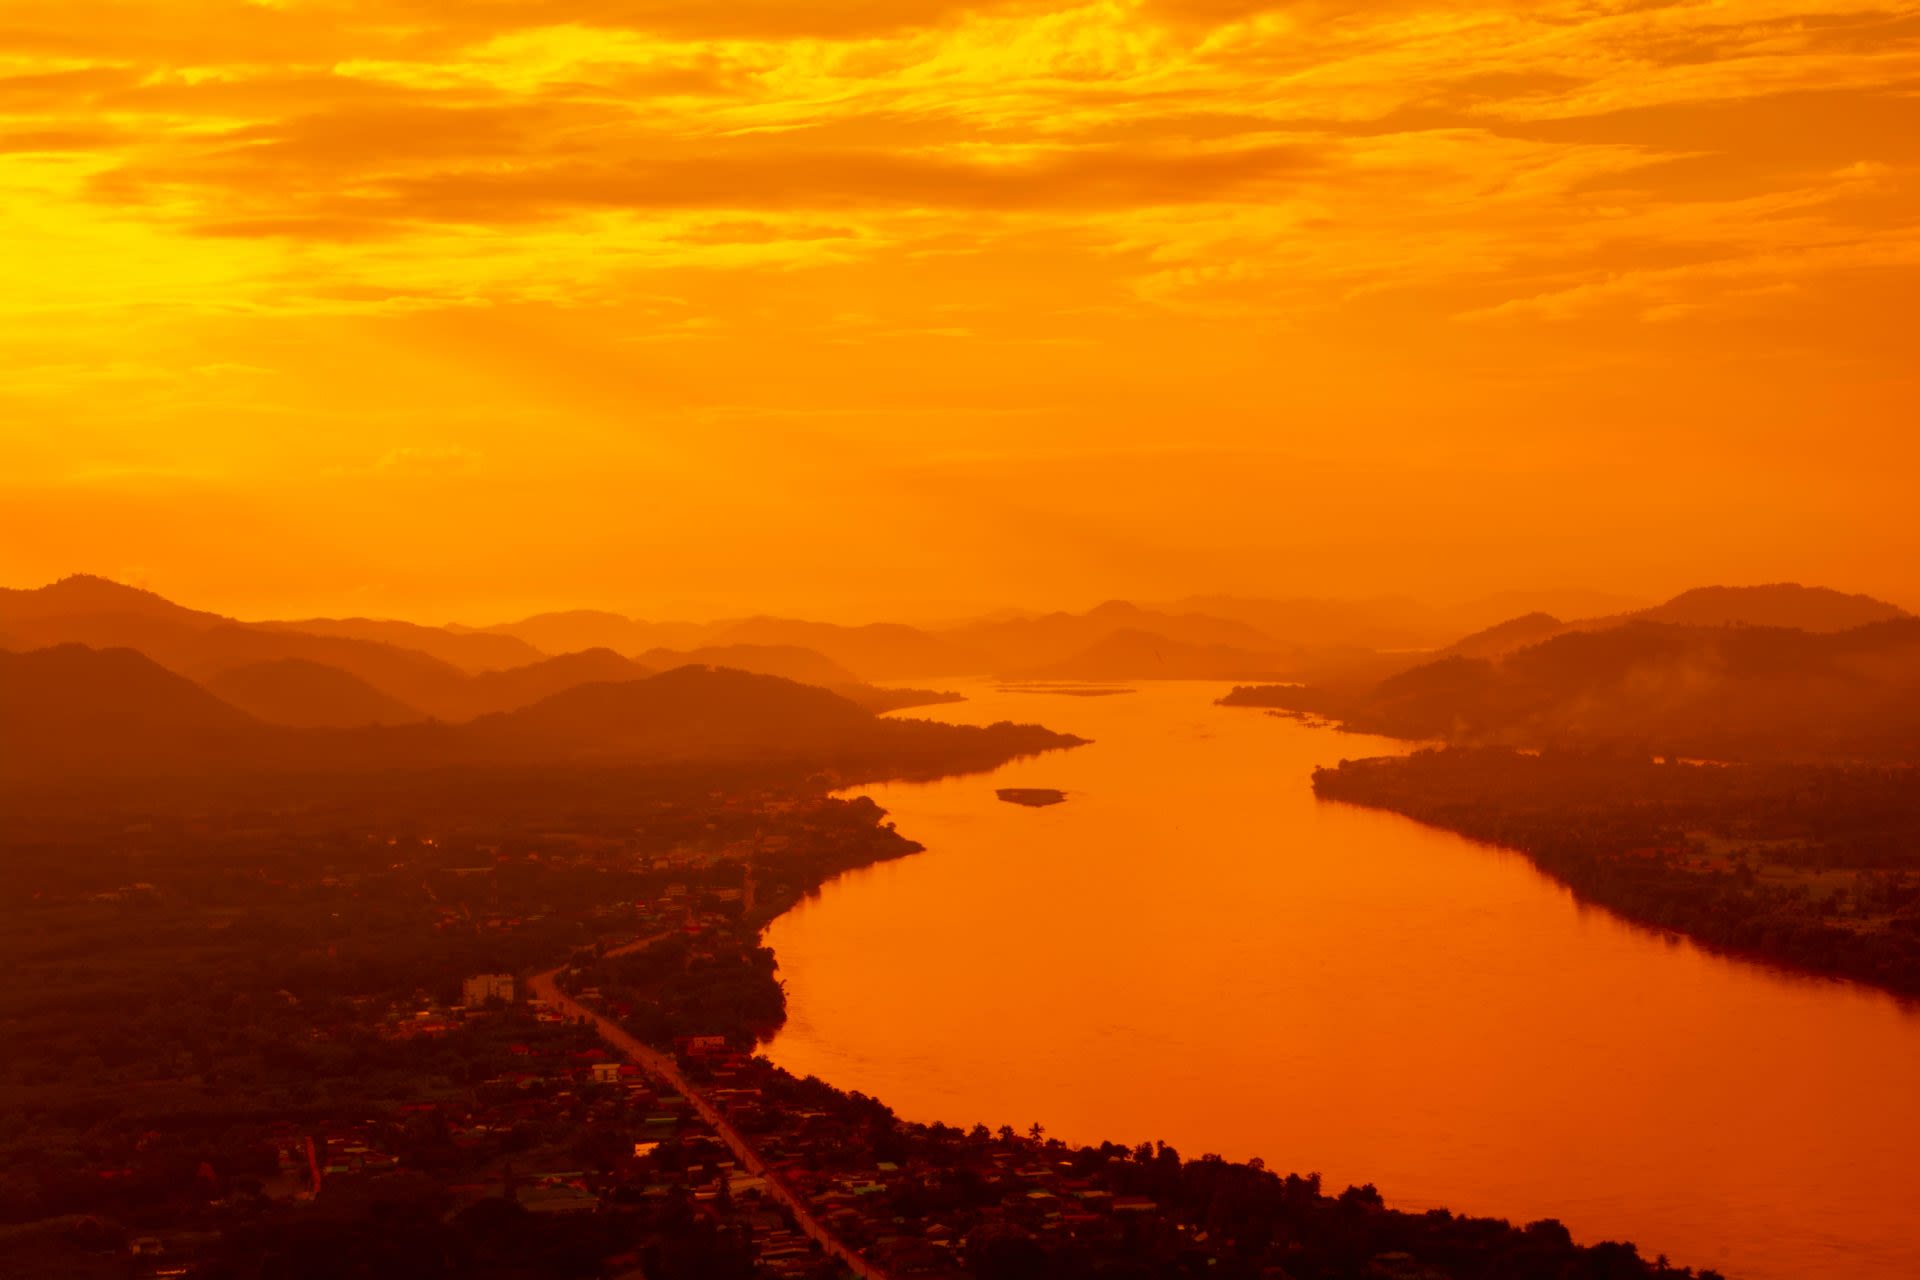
[77, 715]
[199, 645]
[1780, 604]
[69, 709]
[804, 666]
[1490, 610]
[1397, 623]
[697, 712]
[790, 662]
[1017, 644]
[572, 630]
[689, 710]
[516, 687]
[1787, 605]
[876, 651]
[470, 651]
[1720, 692]
[308, 695]
[81, 595]
[1503, 638]
[1143, 655]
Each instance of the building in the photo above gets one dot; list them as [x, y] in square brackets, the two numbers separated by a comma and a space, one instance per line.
[483, 987]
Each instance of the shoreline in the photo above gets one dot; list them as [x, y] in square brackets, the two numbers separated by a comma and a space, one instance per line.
[1409, 1207]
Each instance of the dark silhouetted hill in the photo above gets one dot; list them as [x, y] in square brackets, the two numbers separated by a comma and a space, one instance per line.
[198, 645]
[72, 714]
[82, 595]
[308, 695]
[1782, 604]
[698, 712]
[69, 709]
[1504, 638]
[1030, 643]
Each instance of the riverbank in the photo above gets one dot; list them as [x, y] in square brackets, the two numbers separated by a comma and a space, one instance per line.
[1809, 867]
[1341, 988]
[883, 1196]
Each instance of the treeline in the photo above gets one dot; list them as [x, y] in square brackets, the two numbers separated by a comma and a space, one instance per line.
[1809, 866]
[1207, 1217]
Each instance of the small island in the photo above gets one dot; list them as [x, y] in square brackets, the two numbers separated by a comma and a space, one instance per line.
[1033, 797]
[1068, 690]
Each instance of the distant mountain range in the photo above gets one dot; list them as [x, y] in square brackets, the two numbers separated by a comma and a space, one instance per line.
[340, 673]
[1490, 683]
[571, 630]
[470, 651]
[1780, 604]
[1770, 672]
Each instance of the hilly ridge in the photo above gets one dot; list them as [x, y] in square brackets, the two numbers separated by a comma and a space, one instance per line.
[70, 713]
[1715, 691]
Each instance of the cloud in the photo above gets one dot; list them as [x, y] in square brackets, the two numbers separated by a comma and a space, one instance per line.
[1188, 154]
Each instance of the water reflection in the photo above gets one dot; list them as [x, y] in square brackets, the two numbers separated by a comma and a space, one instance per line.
[1192, 948]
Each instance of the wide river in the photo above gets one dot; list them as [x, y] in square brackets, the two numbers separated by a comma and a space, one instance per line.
[1194, 949]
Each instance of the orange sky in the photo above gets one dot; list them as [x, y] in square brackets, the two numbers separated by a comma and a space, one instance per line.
[441, 308]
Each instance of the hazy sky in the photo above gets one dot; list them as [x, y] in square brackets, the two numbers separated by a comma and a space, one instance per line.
[846, 307]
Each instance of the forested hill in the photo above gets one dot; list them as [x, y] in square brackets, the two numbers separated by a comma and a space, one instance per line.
[71, 713]
[1704, 691]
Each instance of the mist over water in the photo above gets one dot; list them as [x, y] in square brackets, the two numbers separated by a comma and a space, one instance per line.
[1194, 949]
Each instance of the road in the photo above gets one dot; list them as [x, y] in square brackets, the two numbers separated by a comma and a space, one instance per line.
[662, 1067]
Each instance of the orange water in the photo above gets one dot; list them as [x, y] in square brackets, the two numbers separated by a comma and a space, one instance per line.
[1194, 949]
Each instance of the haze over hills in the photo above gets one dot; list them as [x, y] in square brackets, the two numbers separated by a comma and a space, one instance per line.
[790, 662]
[1503, 638]
[515, 687]
[1731, 688]
[103, 614]
[471, 651]
[1779, 604]
[1017, 644]
[1783, 604]
[84, 595]
[349, 672]
[571, 630]
[1131, 654]
[331, 672]
[1393, 623]
[877, 651]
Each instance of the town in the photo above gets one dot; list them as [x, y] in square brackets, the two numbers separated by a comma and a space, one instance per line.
[482, 1044]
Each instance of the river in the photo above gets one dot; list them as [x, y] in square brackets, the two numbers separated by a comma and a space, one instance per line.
[1194, 949]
